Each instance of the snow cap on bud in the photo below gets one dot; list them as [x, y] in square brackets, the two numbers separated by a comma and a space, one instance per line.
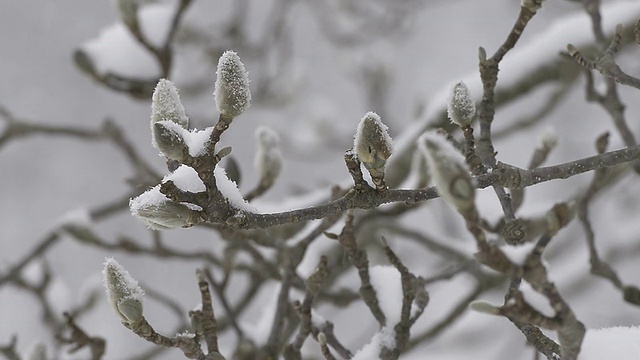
[123, 292]
[232, 92]
[268, 160]
[449, 171]
[159, 213]
[461, 109]
[372, 143]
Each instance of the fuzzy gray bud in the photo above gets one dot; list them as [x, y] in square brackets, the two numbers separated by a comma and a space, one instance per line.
[166, 104]
[160, 213]
[449, 171]
[169, 121]
[169, 139]
[232, 92]
[372, 143]
[123, 292]
[461, 109]
[268, 159]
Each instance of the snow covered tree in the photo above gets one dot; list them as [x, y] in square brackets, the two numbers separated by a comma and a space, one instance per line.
[492, 222]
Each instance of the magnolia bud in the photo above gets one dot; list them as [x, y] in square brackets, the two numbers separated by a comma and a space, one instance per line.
[449, 171]
[123, 292]
[168, 137]
[461, 108]
[232, 92]
[160, 213]
[548, 139]
[372, 143]
[268, 160]
[166, 105]
[168, 121]
[131, 309]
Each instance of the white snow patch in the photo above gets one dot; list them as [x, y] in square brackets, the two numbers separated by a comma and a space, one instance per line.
[78, 217]
[384, 338]
[196, 140]
[230, 191]
[260, 329]
[518, 254]
[116, 51]
[148, 198]
[186, 179]
[386, 281]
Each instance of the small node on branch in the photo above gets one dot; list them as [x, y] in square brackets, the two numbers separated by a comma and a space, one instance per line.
[373, 146]
[581, 60]
[531, 5]
[232, 92]
[559, 216]
[484, 307]
[123, 292]
[449, 171]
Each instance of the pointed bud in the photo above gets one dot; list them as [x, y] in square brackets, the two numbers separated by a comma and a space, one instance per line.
[449, 171]
[160, 213]
[268, 160]
[168, 137]
[168, 120]
[372, 143]
[166, 104]
[123, 291]
[232, 92]
[461, 108]
[548, 139]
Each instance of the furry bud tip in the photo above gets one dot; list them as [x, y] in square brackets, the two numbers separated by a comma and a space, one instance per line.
[123, 291]
[232, 92]
[461, 109]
